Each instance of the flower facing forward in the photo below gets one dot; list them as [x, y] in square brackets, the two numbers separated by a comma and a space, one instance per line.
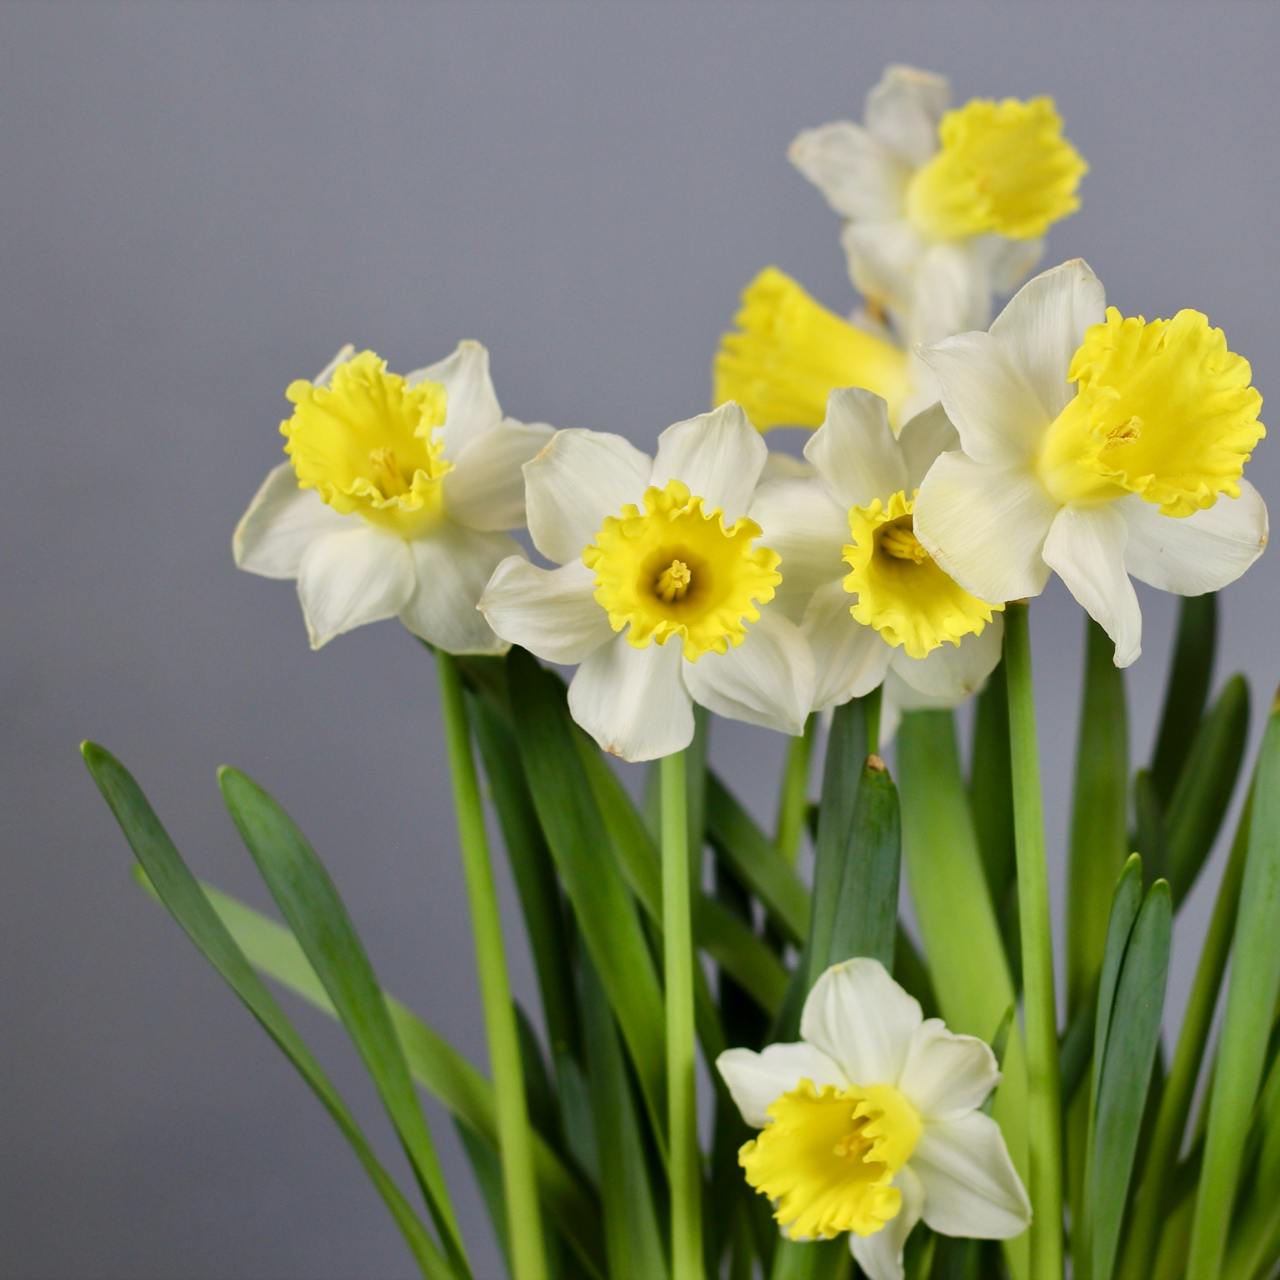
[942, 207]
[872, 1122]
[395, 498]
[1136, 469]
[873, 602]
[663, 586]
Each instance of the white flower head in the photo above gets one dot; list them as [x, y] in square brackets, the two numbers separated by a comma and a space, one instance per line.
[872, 1122]
[1135, 470]
[396, 498]
[661, 586]
[942, 207]
[873, 603]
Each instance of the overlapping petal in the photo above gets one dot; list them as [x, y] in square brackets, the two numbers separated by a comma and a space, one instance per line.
[350, 577]
[280, 524]
[485, 489]
[718, 455]
[551, 612]
[755, 1080]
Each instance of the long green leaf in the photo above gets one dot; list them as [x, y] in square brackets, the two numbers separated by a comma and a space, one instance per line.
[1186, 691]
[958, 926]
[1203, 791]
[605, 913]
[740, 843]
[173, 884]
[866, 922]
[1251, 1000]
[433, 1063]
[991, 786]
[1099, 822]
[1130, 1050]
[310, 902]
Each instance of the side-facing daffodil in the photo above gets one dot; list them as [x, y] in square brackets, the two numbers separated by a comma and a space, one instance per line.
[1095, 446]
[872, 1122]
[395, 499]
[874, 604]
[942, 203]
[663, 586]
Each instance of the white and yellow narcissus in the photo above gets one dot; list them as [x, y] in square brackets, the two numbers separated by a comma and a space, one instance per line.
[663, 593]
[395, 499]
[1097, 447]
[872, 601]
[941, 204]
[872, 1122]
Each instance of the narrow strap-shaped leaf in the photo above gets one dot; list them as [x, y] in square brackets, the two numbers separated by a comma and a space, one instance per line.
[1252, 990]
[729, 941]
[433, 1063]
[633, 1240]
[841, 774]
[866, 922]
[740, 843]
[1131, 1042]
[533, 872]
[1099, 818]
[1187, 689]
[309, 901]
[603, 908]
[1148, 824]
[1203, 790]
[172, 883]
[991, 785]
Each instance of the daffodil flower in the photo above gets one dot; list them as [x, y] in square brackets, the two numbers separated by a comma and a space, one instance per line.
[661, 586]
[872, 1122]
[942, 207]
[874, 604]
[1136, 469]
[395, 498]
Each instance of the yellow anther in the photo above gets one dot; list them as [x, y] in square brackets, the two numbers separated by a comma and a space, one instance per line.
[673, 582]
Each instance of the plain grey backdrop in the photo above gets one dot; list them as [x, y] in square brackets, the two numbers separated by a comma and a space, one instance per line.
[200, 202]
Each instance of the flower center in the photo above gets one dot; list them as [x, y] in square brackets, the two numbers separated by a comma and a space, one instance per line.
[1162, 409]
[829, 1156]
[366, 443]
[791, 351]
[676, 570]
[900, 591]
[1002, 167]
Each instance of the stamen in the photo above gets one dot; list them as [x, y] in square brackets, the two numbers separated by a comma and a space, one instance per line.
[899, 540]
[387, 472]
[673, 582]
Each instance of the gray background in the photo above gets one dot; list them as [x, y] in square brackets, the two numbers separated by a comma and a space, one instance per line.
[199, 202]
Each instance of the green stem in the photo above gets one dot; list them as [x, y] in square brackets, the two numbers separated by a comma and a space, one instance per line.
[515, 1138]
[1040, 1011]
[874, 704]
[684, 1161]
[793, 800]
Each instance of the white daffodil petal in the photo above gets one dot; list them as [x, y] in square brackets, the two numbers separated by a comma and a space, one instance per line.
[923, 439]
[756, 1080]
[986, 526]
[858, 1016]
[719, 455]
[904, 109]
[344, 353]
[860, 177]
[854, 450]
[351, 577]
[485, 489]
[633, 701]
[954, 672]
[1009, 261]
[579, 478]
[950, 292]
[1086, 549]
[799, 521]
[881, 257]
[849, 659]
[279, 525]
[1197, 553]
[947, 1075]
[765, 680]
[880, 1255]
[1043, 325]
[970, 1185]
[551, 612]
[452, 567]
[782, 466]
[471, 404]
[999, 417]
